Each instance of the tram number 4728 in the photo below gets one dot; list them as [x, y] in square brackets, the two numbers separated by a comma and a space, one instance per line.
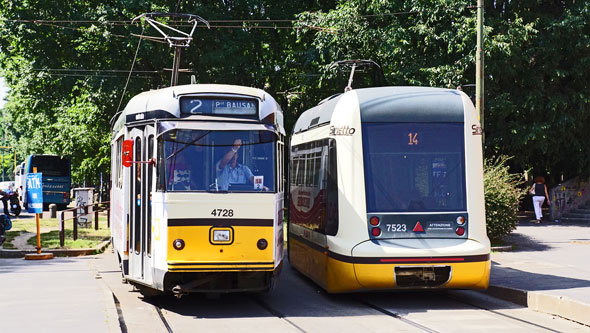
[223, 212]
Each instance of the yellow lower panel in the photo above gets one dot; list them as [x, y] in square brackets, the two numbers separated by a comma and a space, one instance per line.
[341, 277]
[468, 275]
[332, 275]
[198, 247]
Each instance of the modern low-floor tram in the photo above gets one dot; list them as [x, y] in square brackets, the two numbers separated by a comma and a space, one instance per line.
[386, 191]
[197, 189]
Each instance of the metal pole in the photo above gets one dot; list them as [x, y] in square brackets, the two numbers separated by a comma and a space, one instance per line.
[175, 66]
[2, 164]
[479, 69]
[75, 227]
[62, 234]
[95, 217]
[38, 234]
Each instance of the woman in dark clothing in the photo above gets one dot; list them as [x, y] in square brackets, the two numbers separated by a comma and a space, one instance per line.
[539, 191]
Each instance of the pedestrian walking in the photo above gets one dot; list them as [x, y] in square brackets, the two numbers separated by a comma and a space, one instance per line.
[539, 192]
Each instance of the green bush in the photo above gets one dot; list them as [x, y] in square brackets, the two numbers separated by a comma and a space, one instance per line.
[503, 192]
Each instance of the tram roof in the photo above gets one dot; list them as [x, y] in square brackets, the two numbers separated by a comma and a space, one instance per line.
[164, 103]
[391, 104]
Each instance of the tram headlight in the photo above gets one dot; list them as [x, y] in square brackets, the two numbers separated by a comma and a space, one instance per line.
[178, 244]
[460, 231]
[374, 220]
[460, 220]
[376, 232]
[262, 243]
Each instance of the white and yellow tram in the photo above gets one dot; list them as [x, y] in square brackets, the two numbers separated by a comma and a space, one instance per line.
[386, 191]
[197, 189]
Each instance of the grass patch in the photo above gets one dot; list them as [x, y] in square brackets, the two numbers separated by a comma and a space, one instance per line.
[10, 236]
[87, 238]
[30, 225]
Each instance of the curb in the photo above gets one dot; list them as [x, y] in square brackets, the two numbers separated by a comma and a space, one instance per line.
[57, 252]
[561, 306]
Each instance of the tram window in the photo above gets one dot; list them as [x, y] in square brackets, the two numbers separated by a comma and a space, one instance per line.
[314, 198]
[234, 161]
[414, 167]
[150, 178]
[119, 166]
[137, 196]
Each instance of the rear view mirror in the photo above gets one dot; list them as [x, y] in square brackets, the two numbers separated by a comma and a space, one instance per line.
[127, 157]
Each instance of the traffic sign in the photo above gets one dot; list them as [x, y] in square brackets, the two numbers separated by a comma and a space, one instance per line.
[35, 193]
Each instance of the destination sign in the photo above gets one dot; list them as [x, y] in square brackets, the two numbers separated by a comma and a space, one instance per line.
[215, 106]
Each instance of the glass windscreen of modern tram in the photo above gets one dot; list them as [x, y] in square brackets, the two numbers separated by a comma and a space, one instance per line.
[192, 160]
[414, 167]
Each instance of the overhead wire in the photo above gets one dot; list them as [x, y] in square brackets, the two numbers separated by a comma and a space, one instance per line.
[92, 70]
[131, 70]
[172, 22]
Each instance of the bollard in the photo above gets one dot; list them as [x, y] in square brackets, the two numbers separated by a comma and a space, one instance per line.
[75, 224]
[86, 223]
[53, 210]
[62, 234]
[96, 218]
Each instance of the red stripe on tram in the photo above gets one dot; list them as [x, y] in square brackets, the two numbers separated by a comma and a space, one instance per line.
[421, 259]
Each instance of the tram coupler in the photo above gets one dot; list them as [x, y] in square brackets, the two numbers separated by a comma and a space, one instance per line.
[178, 291]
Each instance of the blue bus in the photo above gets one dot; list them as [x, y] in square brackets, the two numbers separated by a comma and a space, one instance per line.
[57, 178]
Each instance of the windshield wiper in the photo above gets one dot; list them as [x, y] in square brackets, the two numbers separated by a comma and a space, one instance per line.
[186, 145]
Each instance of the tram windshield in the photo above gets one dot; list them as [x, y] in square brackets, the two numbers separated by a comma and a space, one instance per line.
[216, 161]
[414, 167]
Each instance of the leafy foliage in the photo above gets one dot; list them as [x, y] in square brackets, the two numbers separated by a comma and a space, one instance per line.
[537, 101]
[503, 192]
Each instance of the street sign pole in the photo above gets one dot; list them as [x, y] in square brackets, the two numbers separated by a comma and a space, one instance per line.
[479, 69]
[35, 200]
[38, 234]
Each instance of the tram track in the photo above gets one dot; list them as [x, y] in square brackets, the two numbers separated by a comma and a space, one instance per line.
[276, 313]
[396, 316]
[163, 319]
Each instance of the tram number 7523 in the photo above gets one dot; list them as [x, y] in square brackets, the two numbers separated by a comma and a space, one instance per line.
[223, 212]
[396, 227]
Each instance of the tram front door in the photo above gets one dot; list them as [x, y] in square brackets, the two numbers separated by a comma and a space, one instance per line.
[140, 214]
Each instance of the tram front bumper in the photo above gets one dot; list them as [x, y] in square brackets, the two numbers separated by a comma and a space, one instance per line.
[455, 264]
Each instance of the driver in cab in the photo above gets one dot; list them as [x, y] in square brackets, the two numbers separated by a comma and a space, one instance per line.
[229, 171]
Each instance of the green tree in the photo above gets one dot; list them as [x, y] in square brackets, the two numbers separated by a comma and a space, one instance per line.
[62, 64]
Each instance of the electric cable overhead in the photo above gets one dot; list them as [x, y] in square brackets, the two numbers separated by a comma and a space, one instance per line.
[131, 70]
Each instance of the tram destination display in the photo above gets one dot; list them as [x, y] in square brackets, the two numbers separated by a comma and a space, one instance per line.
[215, 106]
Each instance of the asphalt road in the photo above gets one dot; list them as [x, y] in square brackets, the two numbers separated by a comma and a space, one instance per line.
[298, 305]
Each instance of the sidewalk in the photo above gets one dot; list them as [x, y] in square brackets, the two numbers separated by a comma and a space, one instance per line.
[57, 295]
[548, 270]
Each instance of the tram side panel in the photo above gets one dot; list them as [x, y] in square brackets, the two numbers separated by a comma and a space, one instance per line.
[474, 174]
[345, 127]
[475, 195]
[118, 201]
